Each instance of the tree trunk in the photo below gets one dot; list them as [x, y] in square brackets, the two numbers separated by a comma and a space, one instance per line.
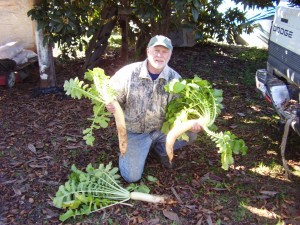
[123, 14]
[46, 61]
[165, 22]
[142, 38]
[123, 24]
[161, 27]
[99, 41]
[45, 57]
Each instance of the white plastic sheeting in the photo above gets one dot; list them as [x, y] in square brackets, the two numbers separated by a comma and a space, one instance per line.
[15, 25]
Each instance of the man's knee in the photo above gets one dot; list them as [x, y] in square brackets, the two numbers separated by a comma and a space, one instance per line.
[131, 177]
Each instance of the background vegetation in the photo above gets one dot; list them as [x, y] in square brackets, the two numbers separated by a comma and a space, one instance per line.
[87, 25]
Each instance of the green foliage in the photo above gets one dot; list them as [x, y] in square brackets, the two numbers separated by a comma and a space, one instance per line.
[198, 100]
[201, 17]
[138, 188]
[90, 191]
[253, 55]
[223, 26]
[67, 23]
[257, 3]
[255, 58]
[99, 92]
[151, 178]
[115, 41]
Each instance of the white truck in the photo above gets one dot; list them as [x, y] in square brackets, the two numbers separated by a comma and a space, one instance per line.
[279, 83]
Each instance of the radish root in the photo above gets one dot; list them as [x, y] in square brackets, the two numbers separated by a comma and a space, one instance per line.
[175, 132]
[121, 127]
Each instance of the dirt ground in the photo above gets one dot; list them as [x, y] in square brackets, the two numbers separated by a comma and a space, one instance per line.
[41, 137]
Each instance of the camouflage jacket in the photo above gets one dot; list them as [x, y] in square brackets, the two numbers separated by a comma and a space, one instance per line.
[142, 99]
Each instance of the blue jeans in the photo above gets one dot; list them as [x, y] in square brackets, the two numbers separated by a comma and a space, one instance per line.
[132, 164]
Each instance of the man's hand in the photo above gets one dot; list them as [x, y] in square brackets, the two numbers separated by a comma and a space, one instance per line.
[196, 128]
[110, 108]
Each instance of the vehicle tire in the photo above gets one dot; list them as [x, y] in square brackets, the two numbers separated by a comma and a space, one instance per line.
[10, 80]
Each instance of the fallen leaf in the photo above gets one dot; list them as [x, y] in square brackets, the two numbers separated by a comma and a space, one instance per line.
[46, 157]
[289, 202]
[270, 193]
[16, 164]
[70, 147]
[171, 215]
[17, 190]
[261, 196]
[31, 148]
[35, 125]
[39, 144]
[33, 165]
[49, 213]
[207, 211]
[140, 219]
[220, 189]
[176, 195]
[153, 221]
[199, 221]
[209, 220]
[225, 218]
[8, 182]
[50, 182]
[218, 207]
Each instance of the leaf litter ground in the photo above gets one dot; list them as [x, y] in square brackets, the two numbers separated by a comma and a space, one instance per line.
[41, 137]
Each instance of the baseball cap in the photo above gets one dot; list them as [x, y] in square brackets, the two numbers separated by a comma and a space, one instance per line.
[160, 40]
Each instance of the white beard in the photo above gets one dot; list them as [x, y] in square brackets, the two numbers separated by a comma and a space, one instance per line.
[157, 65]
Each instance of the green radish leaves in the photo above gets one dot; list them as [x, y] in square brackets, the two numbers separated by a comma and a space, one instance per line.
[90, 191]
[99, 91]
[198, 100]
[95, 189]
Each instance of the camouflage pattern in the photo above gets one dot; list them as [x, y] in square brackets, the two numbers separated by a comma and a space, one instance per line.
[142, 99]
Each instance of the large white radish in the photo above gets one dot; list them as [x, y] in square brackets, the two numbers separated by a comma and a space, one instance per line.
[175, 132]
[121, 126]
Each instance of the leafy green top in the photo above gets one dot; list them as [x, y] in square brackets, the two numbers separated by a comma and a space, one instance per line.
[198, 100]
[92, 190]
[99, 92]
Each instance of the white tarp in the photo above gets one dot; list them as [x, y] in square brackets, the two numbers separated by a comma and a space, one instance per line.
[15, 51]
[15, 25]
